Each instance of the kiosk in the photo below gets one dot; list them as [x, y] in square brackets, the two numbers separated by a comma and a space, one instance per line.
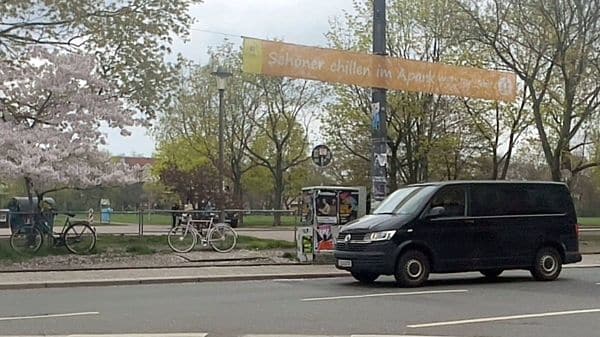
[324, 210]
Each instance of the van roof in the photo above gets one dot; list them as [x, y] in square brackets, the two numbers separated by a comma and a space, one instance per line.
[454, 182]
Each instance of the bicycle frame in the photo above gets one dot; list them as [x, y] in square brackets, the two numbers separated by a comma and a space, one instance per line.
[198, 232]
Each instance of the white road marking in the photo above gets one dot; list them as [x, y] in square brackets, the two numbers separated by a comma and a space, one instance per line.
[127, 335]
[280, 335]
[396, 336]
[304, 279]
[296, 335]
[386, 294]
[72, 314]
[503, 318]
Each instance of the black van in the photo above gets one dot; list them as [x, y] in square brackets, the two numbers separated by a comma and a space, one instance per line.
[459, 226]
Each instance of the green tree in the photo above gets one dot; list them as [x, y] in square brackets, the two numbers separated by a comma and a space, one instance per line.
[554, 48]
[421, 30]
[195, 117]
[186, 173]
[281, 140]
[130, 39]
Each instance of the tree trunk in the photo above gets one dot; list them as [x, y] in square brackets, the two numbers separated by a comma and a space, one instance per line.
[278, 196]
[29, 189]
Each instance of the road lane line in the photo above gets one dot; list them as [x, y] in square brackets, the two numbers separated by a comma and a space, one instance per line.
[385, 294]
[187, 334]
[308, 335]
[395, 336]
[170, 334]
[503, 318]
[305, 279]
[72, 314]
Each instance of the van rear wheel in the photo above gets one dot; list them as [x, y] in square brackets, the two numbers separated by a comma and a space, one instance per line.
[364, 277]
[491, 273]
[547, 265]
[412, 269]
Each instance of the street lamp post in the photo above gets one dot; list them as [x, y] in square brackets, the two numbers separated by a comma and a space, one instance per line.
[221, 75]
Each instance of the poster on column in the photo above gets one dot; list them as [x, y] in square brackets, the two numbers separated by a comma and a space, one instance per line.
[307, 208]
[325, 237]
[327, 208]
[348, 204]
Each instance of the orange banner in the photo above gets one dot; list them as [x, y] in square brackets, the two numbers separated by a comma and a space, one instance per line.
[336, 66]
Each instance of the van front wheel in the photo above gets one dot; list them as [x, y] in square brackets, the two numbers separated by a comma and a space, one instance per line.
[412, 269]
[547, 265]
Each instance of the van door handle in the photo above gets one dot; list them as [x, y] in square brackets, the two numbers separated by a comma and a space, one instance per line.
[470, 221]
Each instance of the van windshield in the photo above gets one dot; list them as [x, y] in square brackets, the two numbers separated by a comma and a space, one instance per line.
[406, 200]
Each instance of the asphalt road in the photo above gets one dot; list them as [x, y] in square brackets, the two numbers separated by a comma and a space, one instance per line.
[337, 306]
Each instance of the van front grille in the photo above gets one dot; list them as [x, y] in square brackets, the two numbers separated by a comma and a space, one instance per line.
[354, 236]
[350, 247]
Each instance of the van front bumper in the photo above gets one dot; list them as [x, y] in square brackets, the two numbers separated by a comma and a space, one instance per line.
[376, 257]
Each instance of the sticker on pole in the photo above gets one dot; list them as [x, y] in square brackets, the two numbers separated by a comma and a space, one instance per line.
[321, 155]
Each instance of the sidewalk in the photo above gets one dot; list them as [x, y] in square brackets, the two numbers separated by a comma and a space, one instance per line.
[31, 280]
[53, 279]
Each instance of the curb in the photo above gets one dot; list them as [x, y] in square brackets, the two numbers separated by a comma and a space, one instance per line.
[186, 266]
[166, 280]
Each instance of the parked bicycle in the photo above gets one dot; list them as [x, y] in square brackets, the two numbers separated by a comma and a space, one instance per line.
[184, 237]
[79, 236]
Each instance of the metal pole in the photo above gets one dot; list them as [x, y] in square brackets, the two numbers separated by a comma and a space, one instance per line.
[379, 111]
[221, 159]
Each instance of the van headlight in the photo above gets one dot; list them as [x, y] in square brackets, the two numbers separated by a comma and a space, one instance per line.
[381, 236]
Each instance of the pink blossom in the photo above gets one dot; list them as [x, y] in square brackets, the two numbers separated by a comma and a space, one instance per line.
[51, 107]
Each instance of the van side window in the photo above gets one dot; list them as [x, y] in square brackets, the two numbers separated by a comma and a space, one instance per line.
[518, 199]
[499, 199]
[548, 199]
[452, 198]
[514, 200]
[484, 200]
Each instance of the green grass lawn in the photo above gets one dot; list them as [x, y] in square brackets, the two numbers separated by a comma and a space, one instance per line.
[165, 219]
[267, 220]
[134, 245]
[589, 221]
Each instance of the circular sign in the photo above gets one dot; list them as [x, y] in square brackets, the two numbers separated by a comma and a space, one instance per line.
[321, 155]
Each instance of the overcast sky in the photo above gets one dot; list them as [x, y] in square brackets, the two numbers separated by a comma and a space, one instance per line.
[294, 21]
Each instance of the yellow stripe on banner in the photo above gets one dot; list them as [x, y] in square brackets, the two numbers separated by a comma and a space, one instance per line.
[252, 57]
[345, 67]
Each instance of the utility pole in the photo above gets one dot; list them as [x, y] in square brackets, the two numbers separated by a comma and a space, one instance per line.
[379, 112]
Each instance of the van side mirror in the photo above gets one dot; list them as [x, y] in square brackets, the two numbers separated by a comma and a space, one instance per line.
[436, 212]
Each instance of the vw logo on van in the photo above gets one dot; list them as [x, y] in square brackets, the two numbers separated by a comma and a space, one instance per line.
[347, 238]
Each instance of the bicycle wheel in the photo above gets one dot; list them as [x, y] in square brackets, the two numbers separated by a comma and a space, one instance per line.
[222, 238]
[26, 240]
[182, 239]
[80, 238]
